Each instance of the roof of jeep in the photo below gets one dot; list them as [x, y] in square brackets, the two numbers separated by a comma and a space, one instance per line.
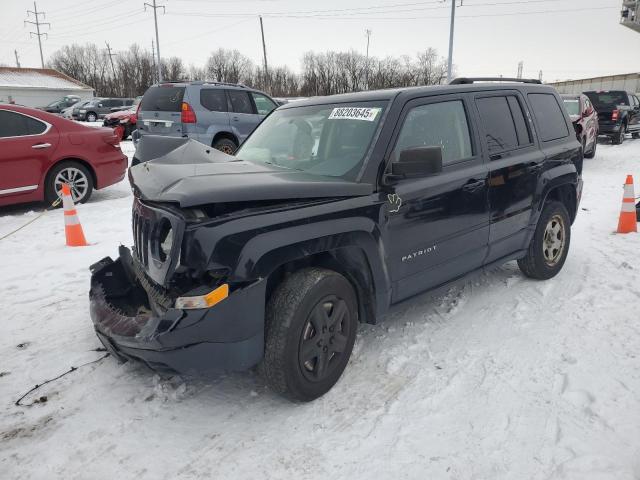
[391, 93]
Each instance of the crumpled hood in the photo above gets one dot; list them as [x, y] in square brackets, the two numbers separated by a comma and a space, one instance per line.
[193, 174]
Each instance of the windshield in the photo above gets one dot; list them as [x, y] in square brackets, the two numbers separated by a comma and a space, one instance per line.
[607, 99]
[572, 105]
[327, 140]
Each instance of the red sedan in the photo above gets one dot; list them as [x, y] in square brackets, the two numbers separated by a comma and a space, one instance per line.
[40, 151]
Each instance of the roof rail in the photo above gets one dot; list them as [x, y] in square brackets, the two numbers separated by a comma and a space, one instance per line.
[467, 81]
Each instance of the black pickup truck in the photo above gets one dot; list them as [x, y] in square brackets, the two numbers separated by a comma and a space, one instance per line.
[332, 210]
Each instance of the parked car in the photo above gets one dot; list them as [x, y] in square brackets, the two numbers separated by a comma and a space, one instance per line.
[618, 113]
[59, 105]
[585, 122]
[220, 115]
[274, 255]
[100, 107]
[123, 121]
[39, 151]
[68, 112]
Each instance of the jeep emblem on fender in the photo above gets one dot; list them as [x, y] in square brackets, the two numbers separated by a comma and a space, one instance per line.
[395, 202]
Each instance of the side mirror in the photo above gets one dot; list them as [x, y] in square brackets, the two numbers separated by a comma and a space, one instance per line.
[418, 162]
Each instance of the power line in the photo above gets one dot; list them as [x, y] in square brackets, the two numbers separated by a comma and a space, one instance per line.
[155, 19]
[37, 23]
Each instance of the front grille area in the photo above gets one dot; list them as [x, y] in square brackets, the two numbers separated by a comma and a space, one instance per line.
[141, 237]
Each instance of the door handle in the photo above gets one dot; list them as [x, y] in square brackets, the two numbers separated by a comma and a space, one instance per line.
[473, 185]
[236, 119]
[495, 156]
[41, 145]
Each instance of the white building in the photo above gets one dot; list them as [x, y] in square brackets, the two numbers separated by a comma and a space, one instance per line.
[629, 82]
[37, 87]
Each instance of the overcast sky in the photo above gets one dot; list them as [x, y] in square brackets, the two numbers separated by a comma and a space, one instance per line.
[563, 38]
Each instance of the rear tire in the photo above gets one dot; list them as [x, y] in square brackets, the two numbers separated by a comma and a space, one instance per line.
[635, 135]
[619, 138]
[225, 145]
[79, 177]
[550, 243]
[311, 324]
[91, 117]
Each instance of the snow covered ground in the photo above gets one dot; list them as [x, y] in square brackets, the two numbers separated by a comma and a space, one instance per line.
[501, 378]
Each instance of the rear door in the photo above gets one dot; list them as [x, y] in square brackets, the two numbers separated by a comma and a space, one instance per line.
[244, 117]
[514, 163]
[438, 226]
[26, 145]
[214, 115]
[160, 111]
[634, 114]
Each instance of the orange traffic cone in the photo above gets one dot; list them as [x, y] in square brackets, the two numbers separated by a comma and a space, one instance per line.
[628, 222]
[72, 228]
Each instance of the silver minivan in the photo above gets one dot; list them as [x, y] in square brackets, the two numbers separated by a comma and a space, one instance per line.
[218, 114]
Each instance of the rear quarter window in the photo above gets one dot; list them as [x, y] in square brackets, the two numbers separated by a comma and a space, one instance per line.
[163, 99]
[214, 99]
[551, 121]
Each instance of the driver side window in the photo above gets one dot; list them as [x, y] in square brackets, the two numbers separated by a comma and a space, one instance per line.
[441, 124]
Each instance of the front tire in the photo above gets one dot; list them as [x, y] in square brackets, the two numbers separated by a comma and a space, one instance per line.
[311, 324]
[91, 117]
[550, 243]
[592, 152]
[74, 173]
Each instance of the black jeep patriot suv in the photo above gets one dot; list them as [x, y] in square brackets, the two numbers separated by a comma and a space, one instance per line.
[332, 210]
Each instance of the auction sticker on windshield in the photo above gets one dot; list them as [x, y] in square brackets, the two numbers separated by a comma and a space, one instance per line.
[354, 113]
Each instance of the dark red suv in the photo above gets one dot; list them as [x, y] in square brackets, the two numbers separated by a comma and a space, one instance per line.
[585, 121]
[40, 151]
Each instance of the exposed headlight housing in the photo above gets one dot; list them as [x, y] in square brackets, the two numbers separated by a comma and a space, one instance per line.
[203, 301]
[165, 238]
[82, 111]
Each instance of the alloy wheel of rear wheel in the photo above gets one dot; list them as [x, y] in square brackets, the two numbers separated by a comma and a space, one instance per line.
[76, 179]
[324, 338]
[553, 243]
[91, 117]
[621, 135]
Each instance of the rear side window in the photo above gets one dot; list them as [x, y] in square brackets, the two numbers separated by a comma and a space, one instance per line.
[551, 121]
[498, 124]
[213, 99]
[15, 125]
[437, 124]
[163, 99]
[240, 101]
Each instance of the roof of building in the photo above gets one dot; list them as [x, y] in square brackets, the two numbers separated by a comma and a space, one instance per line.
[47, 78]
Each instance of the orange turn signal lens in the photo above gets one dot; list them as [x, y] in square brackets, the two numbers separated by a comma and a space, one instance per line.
[203, 301]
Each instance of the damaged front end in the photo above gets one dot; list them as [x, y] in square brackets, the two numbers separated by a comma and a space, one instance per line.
[135, 319]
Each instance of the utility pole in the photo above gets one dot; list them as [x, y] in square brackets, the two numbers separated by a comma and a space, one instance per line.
[37, 33]
[153, 57]
[520, 68]
[111, 55]
[540, 75]
[17, 58]
[451, 30]
[366, 68]
[155, 19]
[264, 53]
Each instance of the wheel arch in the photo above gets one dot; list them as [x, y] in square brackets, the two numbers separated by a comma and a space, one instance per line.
[225, 134]
[567, 195]
[84, 163]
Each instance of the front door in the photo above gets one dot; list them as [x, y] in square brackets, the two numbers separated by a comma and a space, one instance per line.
[437, 226]
[25, 148]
